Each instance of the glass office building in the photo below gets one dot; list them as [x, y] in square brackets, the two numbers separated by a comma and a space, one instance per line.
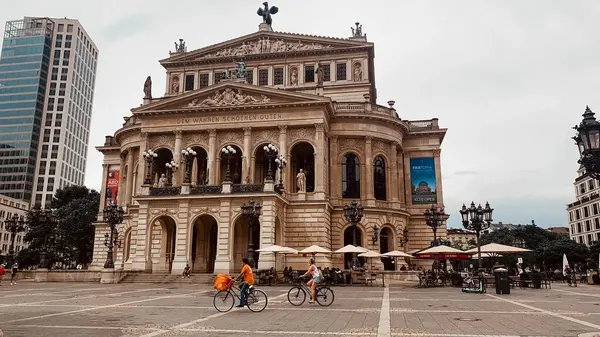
[24, 64]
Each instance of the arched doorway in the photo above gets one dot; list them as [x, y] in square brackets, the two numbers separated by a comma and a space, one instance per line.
[386, 244]
[379, 185]
[199, 172]
[348, 240]
[303, 157]
[261, 165]
[350, 176]
[235, 166]
[162, 244]
[204, 244]
[240, 241]
[164, 156]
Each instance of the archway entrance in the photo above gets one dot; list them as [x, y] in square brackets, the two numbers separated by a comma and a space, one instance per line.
[240, 242]
[204, 244]
[199, 172]
[235, 166]
[303, 157]
[348, 240]
[386, 240]
[164, 156]
[162, 244]
[261, 165]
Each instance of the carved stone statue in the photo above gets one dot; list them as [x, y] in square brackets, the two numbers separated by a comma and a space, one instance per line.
[202, 180]
[294, 76]
[148, 88]
[266, 13]
[163, 181]
[319, 72]
[175, 85]
[357, 32]
[301, 181]
[247, 180]
[180, 48]
[357, 72]
[240, 69]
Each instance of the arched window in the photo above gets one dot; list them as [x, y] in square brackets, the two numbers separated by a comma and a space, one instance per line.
[350, 176]
[379, 178]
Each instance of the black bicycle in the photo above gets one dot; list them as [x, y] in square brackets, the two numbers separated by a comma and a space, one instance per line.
[256, 300]
[323, 294]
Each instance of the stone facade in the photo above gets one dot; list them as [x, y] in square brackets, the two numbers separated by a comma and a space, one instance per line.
[349, 147]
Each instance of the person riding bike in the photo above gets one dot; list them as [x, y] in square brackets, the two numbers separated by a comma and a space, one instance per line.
[248, 277]
[315, 279]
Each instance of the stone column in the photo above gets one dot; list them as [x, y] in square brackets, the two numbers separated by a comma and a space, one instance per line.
[393, 181]
[252, 167]
[246, 153]
[212, 148]
[193, 171]
[283, 151]
[130, 181]
[225, 237]
[142, 166]
[400, 179]
[141, 250]
[407, 184]
[177, 158]
[369, 170]
[438, 176]
[103, 191]
[267, 233]
[121, 186]
[181, 234]
[319, 160]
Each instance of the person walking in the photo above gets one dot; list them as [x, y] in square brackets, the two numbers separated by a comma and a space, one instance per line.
[13, 276]
[2, 272]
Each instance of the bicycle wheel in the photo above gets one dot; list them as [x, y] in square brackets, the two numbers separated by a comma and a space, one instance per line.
[223, 301]
[257, 300]
[324, 296]
[296, 296]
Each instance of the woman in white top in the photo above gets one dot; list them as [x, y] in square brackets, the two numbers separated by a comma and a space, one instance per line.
[315, 279]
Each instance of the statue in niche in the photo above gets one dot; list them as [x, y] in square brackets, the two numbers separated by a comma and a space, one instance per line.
[175, 85]
[163, 181]
[247, 180]
[294, 76]
[357, 72]
[301, 181]
[202, 180]
[148, 88]
[320, 73]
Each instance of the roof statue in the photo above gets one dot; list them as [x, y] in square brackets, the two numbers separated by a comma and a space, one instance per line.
[357, 32]
[148, 88]
[180, 48]
[266, 13]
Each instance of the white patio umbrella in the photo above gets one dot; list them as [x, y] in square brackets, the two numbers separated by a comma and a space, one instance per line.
[314, 249]
[352, 249]
[484, 255]
[370, 255]
[496, 248]
[440, 250]
[397, 253]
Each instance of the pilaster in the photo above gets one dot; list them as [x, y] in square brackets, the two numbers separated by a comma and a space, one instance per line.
[393, 181]
[130, 180]
[267, 233]
[224, 259]
[246, 153]
[141, 250]
[319, 160]
[177, 156]
[141, 174]
[407, 184]
[121, 186]
[181, 238]
[369, 170]
[103, 191]
[438, 176]
[336, 169]
[283, 152]
[212, 148]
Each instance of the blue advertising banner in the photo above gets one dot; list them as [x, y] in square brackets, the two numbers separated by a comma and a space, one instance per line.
[422, 179]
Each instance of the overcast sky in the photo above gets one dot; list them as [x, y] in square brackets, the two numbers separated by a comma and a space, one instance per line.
[507, 78]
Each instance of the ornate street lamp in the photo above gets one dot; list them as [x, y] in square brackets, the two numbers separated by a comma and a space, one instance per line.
[188, 156]
[435, 218]
[405, 237]
[48, 219]
[281, 164]
[477, 219]
[149, 157]
[270, 153]
[588, 143]
[113, 215]
[172, 167]
[16, 224]
[375, 236]
[251, 212]
[228, 151]
[353, 214]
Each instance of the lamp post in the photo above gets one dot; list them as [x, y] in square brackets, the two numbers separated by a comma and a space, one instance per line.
[113, 215]
[270, 153]
[477, 219]
[228, 151]
[353, 214]
[172, 167]
[251, 211]
[188, 156]
[15, 224]
[48, 220]
[281, 164]
[149, 157]
[435, 218]
[588, 143]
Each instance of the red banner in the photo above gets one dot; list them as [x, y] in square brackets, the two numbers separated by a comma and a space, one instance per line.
[112, 187]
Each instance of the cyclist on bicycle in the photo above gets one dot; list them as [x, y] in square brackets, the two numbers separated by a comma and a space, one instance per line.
[314, 280]
[248, 277]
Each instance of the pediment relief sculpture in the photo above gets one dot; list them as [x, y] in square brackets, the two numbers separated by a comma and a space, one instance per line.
[266, 45]
[228, 97]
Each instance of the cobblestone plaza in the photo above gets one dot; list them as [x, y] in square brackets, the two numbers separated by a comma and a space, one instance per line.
[60, 309]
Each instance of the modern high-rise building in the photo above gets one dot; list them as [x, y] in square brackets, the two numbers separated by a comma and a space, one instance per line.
[47, 77]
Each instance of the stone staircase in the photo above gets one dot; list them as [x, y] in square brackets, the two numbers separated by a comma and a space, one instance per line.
[168, 278]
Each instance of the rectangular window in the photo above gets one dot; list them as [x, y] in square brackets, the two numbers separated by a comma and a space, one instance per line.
[203, 80]
[326, 72]
[278, 76]
[250, 76]
[579, 227]
[597, 223]
[587, 226]
[586, 212]
[577, 214]
[309, 74]
[591, 185]
[61, 28]
[340, 71]
[263, 77]
[189, 82]
[595, 208]
[69, 28]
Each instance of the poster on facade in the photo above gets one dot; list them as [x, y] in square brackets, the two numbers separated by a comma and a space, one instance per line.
[112, 187]
[422, 179]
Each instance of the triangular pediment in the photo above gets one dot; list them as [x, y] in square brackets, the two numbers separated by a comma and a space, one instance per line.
[264, 42]
[228, 95]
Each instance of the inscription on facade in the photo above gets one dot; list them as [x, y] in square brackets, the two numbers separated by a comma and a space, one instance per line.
[230, 118]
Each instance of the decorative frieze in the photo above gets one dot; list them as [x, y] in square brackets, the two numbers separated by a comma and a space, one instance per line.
[380, 146]
[235, 136]
[350, 144]
[266, 135]
[301, 134]
[164, 210]
[204, 210]
[266, 45]
[198, 138]
[164, 140]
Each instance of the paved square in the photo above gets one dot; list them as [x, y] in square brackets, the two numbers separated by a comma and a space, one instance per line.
[78, 309]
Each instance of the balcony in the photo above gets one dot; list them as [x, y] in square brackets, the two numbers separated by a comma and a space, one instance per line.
[209, 190]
